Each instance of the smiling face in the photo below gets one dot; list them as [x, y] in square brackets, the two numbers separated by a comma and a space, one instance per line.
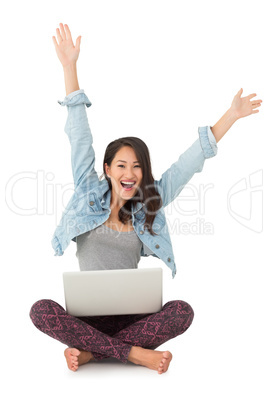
[126, 175]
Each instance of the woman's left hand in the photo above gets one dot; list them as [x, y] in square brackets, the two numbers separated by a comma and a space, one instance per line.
[242, 107]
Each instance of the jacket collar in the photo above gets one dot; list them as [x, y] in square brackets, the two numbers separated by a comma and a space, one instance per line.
[104, 193]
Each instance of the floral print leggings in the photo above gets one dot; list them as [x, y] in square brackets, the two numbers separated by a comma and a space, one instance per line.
[112, 336]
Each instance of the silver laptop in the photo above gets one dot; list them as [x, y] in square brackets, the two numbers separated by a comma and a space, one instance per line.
[113, 292]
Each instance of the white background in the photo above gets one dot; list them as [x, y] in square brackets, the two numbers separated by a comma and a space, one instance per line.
[156, 70]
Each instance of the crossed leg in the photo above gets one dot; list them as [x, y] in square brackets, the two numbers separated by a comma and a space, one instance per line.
[129, 337]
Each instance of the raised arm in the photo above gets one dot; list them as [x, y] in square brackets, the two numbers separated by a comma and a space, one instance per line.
[77, 127]
[240, 107]
[192, 160]
[68, 55]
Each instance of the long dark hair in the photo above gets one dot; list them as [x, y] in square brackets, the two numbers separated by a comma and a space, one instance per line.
[147, 193]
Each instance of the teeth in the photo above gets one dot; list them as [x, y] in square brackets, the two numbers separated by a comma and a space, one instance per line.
[128, 182]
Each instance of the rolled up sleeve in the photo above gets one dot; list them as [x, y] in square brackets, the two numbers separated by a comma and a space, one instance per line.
[207, 141]
[75, 98]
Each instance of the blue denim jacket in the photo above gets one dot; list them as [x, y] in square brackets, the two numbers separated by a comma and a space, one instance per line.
[89, 206]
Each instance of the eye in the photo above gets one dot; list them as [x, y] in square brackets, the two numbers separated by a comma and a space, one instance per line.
[124, 166]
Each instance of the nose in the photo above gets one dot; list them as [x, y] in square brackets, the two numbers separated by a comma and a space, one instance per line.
[129, 173]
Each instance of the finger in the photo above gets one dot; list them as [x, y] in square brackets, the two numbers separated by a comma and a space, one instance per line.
[239, 93]
[256, 101]
[77, 44]
[255, 111]
[254, 106]
[62, 31]
[59, 37]
[68, 32]
[251, 96]
[55, 41]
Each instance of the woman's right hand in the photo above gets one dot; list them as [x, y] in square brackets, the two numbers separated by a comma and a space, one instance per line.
[65, 49]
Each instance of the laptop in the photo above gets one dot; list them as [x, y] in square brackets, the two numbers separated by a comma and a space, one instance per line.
[113, 292]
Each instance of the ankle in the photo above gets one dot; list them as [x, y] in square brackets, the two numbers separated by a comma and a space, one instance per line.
[135, 354]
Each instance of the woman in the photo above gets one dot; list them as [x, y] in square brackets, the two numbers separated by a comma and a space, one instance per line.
[121, 215]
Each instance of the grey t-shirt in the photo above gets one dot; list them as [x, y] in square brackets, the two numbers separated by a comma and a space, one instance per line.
[104, 248]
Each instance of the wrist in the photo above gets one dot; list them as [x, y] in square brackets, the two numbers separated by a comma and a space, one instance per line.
[70, 78]
[70, 67]
[224, 124]
[233, 115]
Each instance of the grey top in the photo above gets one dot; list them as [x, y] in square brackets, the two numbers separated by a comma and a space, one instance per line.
[104, 248]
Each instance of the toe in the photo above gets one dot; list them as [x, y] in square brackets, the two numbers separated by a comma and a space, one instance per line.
[167, 355]
[75, 352]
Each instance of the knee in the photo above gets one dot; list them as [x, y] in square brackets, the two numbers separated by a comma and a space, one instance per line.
[186, 308]
[183, 311]
[39, 308]
[187, 312]
[180, 306]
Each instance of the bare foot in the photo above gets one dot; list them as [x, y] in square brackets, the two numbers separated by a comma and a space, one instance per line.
[76, 358]
[152, 359]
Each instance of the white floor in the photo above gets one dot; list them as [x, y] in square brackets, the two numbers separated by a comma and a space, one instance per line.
[219, 363]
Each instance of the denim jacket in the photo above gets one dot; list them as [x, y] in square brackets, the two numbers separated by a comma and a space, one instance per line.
[89, 206]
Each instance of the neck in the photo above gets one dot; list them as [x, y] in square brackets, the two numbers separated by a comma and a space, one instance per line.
[116, 203]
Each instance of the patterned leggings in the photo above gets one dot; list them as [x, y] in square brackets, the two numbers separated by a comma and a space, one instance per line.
[112, 336]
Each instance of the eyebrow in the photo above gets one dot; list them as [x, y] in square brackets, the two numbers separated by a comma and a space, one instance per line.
[126, 162]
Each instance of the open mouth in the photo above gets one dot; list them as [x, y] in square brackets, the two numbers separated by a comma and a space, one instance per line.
[127, 185]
